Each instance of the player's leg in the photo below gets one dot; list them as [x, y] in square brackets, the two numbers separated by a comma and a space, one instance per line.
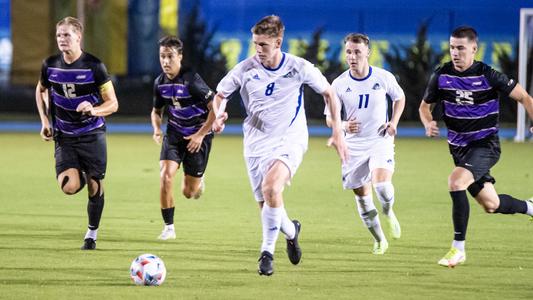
[194, 166]
[92, 151]
[69, 177]
[381, 164]
[369, 215]
[168, 170]
[458, 181]
[492, 202]
[271, 215]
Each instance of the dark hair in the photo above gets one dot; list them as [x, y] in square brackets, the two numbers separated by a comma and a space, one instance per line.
[465, 32]
[75, 23]
[171, 42]
[357, 38]
[269, 25]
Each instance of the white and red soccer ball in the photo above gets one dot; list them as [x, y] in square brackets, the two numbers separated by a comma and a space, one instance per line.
[148, 269]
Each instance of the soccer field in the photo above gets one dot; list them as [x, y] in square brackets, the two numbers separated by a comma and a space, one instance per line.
[219, 235]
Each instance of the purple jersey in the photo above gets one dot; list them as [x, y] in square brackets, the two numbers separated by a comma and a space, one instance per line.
[69, 85]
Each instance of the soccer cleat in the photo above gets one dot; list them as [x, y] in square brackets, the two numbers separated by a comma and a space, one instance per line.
[88, 244]
[201, 190]
[453, 258]
[394, 226]
[266, 264]
[167, 234]
[293, 248]
[380, 247]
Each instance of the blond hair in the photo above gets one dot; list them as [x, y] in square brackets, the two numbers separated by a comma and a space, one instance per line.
[75, 23]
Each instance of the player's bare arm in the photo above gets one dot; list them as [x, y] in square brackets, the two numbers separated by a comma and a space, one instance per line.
[195, 140]
[219, 111]
[156, 117]
[520, 95]
[397, 110]
[41, 99]
[432, 130]
[109, 105]
[337, 138]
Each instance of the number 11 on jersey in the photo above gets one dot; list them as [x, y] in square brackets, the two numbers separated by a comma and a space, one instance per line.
[363, 98]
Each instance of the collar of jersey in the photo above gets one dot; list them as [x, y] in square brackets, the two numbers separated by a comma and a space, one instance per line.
[362, 79]
[279, 66]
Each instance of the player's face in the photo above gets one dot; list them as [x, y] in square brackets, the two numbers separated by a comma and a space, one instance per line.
[462, 52]
[266, 48]
[356, 55]
[68, 40]
[170, 61]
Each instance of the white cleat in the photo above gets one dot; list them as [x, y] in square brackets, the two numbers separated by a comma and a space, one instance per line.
[167, 234]
[394, 226]
[453, 258]
[380, 247]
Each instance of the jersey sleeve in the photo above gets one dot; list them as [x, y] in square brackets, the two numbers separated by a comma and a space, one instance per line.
[314, 78]
[44, 75]
[200, 89]
[500, 81]
[158, 101]
[335, 87]
[100, 74]
[394, 90]
[231, 82]
[432, 89]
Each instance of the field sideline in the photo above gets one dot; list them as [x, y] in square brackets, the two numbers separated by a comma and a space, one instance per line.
[215, 255]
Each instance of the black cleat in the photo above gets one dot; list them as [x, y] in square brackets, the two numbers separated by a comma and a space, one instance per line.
[293, 249]
[266, 264]
[88, 244]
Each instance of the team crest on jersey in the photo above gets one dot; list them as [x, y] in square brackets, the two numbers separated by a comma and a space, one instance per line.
[376, 86]
[348, 90]
[256, 77]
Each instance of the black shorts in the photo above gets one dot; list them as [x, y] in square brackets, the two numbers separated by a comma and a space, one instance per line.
[194, 164]
[478, 157]
[86, 153]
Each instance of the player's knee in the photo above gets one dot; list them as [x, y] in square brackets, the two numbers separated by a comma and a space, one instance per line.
[270, 191]
[188, 192]
[489, 208]
[68, 186]
[166, 179]
[455, 184]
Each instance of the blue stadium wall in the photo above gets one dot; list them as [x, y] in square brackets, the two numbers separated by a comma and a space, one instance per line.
[386, 22]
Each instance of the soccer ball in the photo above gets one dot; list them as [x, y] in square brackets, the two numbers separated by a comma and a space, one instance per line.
[148, 269]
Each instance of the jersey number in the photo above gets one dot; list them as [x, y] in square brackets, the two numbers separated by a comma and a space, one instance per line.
[69, 90]
[270, 89]
[363, 100]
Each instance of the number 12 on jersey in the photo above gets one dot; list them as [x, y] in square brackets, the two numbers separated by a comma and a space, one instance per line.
[363, 99]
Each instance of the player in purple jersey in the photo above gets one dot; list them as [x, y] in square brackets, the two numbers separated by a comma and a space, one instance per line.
[188, 101]
[76, 92]
[468, 91]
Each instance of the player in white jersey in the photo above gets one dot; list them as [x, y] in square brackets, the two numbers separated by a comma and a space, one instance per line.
[362, 91]
[275, 129]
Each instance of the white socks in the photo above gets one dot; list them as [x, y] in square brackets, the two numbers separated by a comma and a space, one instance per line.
[91, 234]
[169, 227]
[459, 245]
[369, 215]
[529, 211]
[385, 193]
[287, 226]
[271, 218]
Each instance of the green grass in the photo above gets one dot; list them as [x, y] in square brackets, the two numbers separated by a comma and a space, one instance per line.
[215, 255]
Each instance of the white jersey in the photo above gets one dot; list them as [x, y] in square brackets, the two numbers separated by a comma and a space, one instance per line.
[365, 100]
[273, 99]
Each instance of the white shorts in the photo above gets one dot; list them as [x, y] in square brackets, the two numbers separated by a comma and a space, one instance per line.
[290, 154]
[364, 157]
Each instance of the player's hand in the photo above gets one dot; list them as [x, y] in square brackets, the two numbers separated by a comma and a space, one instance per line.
[531, 129]
[158, 136]
[387, 129]
[195, 142]
[85, 108]
[46, 133]
[351, 126]
[432, 130]
[218, 124]
[337, 141]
